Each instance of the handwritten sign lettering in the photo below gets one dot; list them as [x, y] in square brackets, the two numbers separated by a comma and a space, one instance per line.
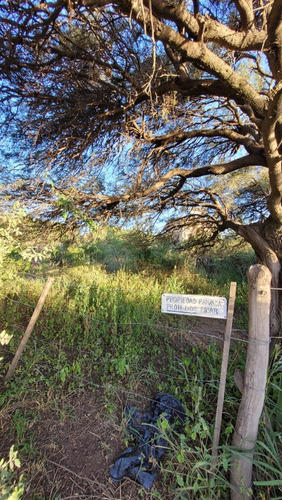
[195, 305]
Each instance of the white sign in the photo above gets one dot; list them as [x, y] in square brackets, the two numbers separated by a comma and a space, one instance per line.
[195, 305]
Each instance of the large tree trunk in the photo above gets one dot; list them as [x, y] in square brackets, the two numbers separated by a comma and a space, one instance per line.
[266, 241]
[272, 233]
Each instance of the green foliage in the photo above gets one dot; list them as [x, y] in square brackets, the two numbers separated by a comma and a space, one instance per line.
[4, 340]
[12, 237]
[267, 459]
[187, 466]
[268, 464]
[11, 487]
[222, 268]
[16, 251]
[117, 249]
[274, 393]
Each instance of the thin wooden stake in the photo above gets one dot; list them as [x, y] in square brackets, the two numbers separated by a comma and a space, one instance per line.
[30, 327]
[224, 365]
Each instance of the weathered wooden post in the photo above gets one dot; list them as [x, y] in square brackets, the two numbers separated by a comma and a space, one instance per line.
[223, 373]
[246, 429]
[30, 327]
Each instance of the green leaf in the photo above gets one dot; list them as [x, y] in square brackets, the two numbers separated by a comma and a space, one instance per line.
[164, 424]
[17, 462]
[180, 457]
[273, 482]
[179, 479]
[224, 463]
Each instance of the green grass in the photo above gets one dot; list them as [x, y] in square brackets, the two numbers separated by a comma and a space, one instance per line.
[101, 329]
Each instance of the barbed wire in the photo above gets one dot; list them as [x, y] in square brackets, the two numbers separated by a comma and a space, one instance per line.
[217, 335]
[6, 349]
[211, 382]
[19, 302]
[110, 387]
[43, 276]
[127, 392]
[177, 330]
[132, 395]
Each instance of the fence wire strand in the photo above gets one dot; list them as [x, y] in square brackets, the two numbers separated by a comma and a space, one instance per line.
[174, 330]
[217, 335]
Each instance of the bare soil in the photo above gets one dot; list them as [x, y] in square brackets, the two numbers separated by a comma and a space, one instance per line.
[75, 446]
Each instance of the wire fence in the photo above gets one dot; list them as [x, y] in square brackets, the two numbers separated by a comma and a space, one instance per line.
[183, 334]
[213, 382]
[217, 335]
[238, 335]
[136, 397]
[155, 374]
[187, 385]
[67, 286]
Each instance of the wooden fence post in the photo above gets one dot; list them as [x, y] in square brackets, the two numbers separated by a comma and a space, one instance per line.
[30, 327]
[223, 373]
[246, 429]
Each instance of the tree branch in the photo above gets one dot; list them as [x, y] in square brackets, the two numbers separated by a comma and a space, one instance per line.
[274, 43]
[214, 30]
[198, 53]
[245, 8]
[272, 141]
[179, 136]
[218, 169]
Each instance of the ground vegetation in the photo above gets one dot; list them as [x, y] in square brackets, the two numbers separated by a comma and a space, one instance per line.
[100, 344]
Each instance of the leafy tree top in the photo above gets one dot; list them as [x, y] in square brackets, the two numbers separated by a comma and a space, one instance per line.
[138, 106]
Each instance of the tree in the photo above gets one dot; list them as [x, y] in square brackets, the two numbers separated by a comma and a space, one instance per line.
[180, 102]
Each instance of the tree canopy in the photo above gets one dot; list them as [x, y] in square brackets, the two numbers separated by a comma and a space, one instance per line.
[115, 108]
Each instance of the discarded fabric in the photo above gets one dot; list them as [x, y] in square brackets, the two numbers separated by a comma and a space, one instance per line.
[141, 462]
